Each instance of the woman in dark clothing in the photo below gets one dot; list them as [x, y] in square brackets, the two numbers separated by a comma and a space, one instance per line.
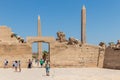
[30, 64]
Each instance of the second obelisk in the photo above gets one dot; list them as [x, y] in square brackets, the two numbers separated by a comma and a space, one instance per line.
[83, 25]
[39, 43]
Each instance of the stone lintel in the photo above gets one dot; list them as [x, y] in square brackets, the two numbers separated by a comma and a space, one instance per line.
[40, 39]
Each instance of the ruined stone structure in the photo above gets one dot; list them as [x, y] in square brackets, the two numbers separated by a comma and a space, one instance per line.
[61, 37]
[75, 56]
[74, 53]
[12, 49]
[7, 36]
[62, 52]
[73, 41]
[112, 56]
[49, 40]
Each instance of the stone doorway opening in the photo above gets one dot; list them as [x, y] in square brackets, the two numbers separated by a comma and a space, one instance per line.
[45, 50]
[49, 40]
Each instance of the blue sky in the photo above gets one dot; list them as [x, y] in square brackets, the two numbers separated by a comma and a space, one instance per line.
[103, 18]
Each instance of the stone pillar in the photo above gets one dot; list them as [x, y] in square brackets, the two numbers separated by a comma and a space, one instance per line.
[100, 62]
[49, 52]
[39, 43]
[83, 25]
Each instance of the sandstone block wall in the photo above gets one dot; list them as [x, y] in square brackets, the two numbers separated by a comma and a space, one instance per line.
[5, 35]
[14, 52]
[74, 56]
[112, 58]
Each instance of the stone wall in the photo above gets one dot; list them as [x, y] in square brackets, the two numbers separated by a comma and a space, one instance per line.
[5, 35]
[112, 58]
[13, 52]
[11, 49]
[63, 55]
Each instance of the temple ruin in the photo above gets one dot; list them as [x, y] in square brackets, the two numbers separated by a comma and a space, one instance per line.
[62, 52]
[11, 47]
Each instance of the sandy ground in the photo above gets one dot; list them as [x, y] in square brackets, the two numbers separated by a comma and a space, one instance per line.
[60, 74]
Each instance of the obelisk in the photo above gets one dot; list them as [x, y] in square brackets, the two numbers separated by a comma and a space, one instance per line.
[39, 43]
[83, 25]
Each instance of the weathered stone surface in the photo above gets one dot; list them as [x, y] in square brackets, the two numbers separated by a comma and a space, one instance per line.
[14, 52]
[74, 56]
[61, 37]
[73, 41]
[112, 58]
[11, 49]
[5, 35]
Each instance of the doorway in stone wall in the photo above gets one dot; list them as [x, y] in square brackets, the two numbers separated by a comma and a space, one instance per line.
[48, 40]
[44, 55]
[45, 50]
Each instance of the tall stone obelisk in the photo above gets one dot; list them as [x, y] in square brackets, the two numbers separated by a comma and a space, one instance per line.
[83, 25]
[39, 43]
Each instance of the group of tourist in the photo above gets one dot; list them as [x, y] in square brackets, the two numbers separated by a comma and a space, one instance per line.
[41, 62]
[17, 65]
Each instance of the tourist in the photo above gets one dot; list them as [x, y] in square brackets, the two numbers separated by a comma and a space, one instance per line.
[37, 61]
[13, 65]
[47, 66]
[5, 63]
[41, 62]
[19, 66]
[29, 64]
[16, 66]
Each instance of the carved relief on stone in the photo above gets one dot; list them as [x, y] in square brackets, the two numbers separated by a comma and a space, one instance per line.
[61, 37]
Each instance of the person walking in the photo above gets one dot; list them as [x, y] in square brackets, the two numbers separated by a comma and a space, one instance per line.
[16, 66]
[19, 66]
[5, 63]
[37, 62]
[13, 65]
[41, 62]
[29, 64]
[47, 66]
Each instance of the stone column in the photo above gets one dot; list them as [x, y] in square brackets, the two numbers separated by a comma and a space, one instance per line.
[83, 25]
[39, 43]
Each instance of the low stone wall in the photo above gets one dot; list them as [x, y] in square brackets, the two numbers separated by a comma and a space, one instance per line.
[74, 56]
[13, 52]
[112, 58]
